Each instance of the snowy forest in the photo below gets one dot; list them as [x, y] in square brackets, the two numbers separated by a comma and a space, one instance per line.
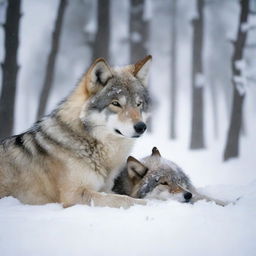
[203, 75]
[203, 85]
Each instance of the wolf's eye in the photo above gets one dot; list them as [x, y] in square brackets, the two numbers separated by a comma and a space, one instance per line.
[116, 103]
[139, 104]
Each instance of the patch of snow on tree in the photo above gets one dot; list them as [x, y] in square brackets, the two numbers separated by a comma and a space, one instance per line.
[230, 35]
[91, 26]
[245, 27]
[136, 37]
[251, 24]
[199, 80]
[240, 65]
[90, 30]
[241, 84]
[241, 81]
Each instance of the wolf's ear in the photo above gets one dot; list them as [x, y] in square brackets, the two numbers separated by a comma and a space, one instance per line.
[99, 73]
[155, 152]
[141, 69]
[136, 170]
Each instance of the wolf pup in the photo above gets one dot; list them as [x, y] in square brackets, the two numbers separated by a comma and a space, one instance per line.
[157, 177]
[76, 152]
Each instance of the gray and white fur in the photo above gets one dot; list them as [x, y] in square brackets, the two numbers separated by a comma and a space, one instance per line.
[157, 177]
[73, 154]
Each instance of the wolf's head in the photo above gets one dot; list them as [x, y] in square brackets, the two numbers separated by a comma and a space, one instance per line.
[157, 177]
[117, 99]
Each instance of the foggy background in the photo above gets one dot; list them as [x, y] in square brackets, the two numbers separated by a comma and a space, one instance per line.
[193, 44]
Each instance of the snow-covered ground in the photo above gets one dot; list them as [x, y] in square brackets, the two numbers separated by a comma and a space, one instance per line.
[160, 228]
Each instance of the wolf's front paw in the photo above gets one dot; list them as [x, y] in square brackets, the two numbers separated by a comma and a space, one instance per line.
[141, 201]
[129, 201]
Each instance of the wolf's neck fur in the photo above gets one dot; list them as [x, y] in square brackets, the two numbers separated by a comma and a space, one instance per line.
[69, 110]
[65, 126]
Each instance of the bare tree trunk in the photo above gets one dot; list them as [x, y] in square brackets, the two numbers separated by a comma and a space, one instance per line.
[10, 68]
[197, 131]
[138, 31]
[232, 144]
[49, 75]
[102, 38]
[173, 70]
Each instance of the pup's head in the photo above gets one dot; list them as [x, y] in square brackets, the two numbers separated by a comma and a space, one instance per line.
[118, 99]
[156, 177]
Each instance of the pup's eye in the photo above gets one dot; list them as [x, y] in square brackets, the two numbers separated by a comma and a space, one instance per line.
[116, 103]
[139, 104]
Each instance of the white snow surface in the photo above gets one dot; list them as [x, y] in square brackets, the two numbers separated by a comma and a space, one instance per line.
[159, 228]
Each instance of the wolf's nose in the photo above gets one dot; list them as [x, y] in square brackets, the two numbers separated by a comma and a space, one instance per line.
[187, 196]
[140, 127]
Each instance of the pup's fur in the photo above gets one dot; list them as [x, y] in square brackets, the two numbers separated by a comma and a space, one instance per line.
[157, 177]
[77, 151]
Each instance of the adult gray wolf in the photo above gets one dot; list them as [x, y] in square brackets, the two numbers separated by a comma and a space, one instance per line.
[73, 154]
[157, 177]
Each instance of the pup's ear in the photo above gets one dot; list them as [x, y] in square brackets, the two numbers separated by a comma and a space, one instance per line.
[99, 73]
[155, 152]
[141, 69]
[136, 170]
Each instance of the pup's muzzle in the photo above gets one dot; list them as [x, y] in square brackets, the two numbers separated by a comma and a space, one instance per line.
[187, 196]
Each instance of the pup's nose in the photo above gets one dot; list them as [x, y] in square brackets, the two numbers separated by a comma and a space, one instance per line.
[140, 127]
[187, 196]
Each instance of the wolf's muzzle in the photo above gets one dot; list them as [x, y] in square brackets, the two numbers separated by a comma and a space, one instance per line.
[140, 127]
